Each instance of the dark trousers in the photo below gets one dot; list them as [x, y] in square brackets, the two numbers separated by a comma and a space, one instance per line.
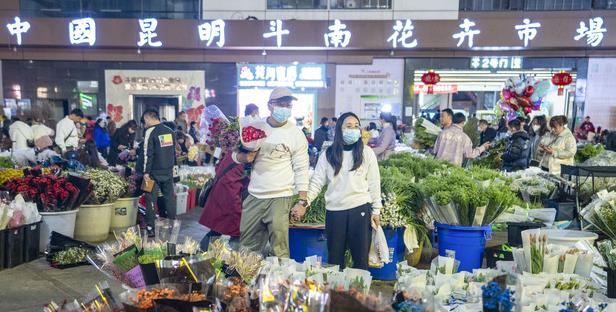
[165, 185]
[349, 228]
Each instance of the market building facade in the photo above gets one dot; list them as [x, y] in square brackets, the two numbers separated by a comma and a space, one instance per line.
[362, 60]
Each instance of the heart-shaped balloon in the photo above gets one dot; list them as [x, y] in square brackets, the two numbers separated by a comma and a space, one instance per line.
[527, 110]
[529, 91]
[507, 94]
[537, 105]
[504, 106]
[524, 101]
[542, 88]
[513, 102]
[512, 115]
[534, 98]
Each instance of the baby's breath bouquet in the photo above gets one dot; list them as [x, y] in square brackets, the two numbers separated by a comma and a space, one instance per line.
[391, 213]
[108, 186]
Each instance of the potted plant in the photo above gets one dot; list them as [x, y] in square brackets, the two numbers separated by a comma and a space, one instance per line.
[94, 217]
[125, 208]
[57, 200]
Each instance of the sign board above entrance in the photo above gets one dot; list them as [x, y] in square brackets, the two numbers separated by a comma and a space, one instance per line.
[496, 31]
[292, 76]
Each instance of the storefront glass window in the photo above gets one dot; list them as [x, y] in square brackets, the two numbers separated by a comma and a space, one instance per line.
[297, 4]
[171, 9]
[604, 4]
[360, 4]
[533, 5]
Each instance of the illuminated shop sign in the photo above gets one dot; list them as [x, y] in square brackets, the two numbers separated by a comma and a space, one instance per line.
[336, 34]
[86, 100]
[151, 83]
[496, 62]
[280, 75]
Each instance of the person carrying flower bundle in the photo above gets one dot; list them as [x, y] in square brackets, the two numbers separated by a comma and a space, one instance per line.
[222, 211]
[279, 167]
[353, 197]
[159, 160]
[517, 152]
[559, 147]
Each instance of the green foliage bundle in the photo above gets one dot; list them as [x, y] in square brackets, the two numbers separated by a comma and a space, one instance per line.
[423, 139]
[587, 152]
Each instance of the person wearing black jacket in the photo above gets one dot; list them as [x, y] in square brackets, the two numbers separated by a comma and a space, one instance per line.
[159, 160]
[122, 139]
[320, 135]
[487, 133]
[517, 152]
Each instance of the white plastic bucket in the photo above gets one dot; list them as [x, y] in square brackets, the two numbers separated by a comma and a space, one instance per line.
[93, 223]
[181, 197]
[62, 222]
[568, 237]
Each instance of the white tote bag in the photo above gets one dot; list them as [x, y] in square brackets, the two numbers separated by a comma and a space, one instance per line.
[379, 251]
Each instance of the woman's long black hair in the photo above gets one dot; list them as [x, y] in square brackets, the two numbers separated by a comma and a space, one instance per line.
[334, 152]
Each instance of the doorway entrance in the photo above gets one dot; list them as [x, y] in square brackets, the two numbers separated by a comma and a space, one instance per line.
[167, 106]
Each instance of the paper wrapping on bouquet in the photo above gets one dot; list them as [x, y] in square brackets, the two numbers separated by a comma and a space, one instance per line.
[167, 230]
[135, 277]
[85, 189]
[253, 136]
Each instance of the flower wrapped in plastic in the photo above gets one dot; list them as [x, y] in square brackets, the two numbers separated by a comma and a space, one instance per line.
[253, 136]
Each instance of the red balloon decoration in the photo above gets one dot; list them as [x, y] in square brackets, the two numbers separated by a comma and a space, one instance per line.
[529, 91]
[524, 101]
[430, 78]
[562, 79]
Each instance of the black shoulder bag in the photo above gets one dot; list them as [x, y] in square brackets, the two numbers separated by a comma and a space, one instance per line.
[209, 185]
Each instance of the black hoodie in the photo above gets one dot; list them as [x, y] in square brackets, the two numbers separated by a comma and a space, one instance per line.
[159, 151]
[517, 153]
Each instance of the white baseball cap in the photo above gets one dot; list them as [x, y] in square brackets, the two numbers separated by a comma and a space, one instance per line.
[279, 93]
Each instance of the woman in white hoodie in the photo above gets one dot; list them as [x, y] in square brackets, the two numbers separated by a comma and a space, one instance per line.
[353, 196]
[21, 134]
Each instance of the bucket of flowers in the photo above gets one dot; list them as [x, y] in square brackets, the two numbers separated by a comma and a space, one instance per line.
[57, 200]
[94, 217]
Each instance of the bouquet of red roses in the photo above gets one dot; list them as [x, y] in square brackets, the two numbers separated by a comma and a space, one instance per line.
[252, 137]
[49, 192]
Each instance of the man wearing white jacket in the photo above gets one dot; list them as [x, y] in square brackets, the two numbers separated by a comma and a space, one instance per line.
[20, 134]
[280, 168]
[67, 135]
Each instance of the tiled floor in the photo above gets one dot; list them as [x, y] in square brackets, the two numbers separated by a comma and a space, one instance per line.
[28, 286]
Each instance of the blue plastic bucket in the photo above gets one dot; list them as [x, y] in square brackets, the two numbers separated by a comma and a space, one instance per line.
[306, 241]
[468, 242]
[395, 242]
